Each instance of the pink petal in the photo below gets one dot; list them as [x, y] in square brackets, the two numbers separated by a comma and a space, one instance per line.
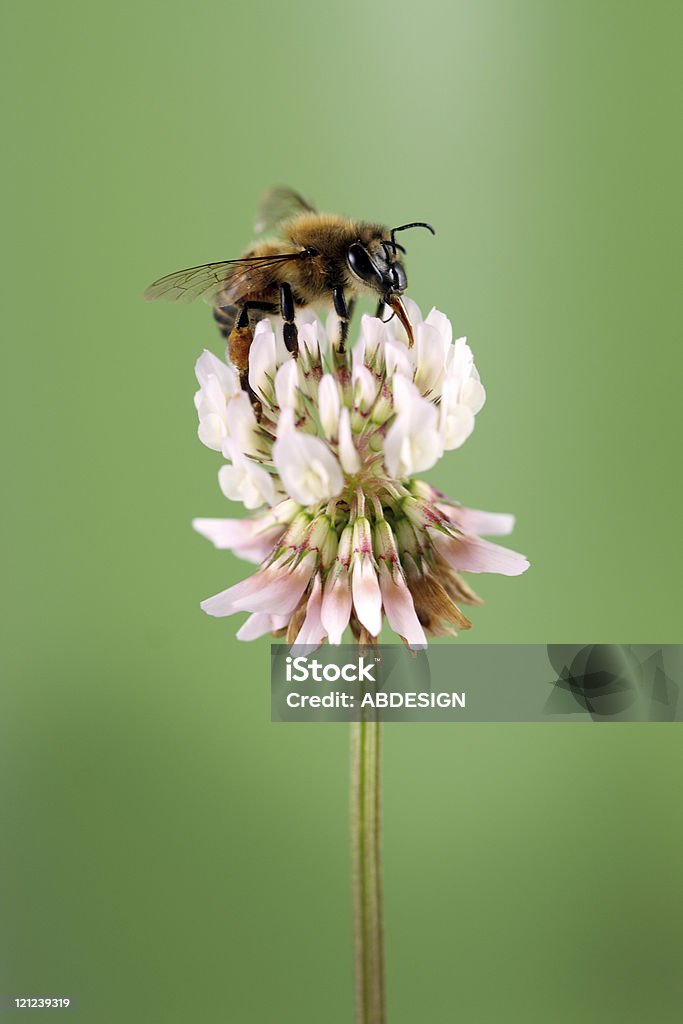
[472, 554]
[256, 625]
[367, 599]
[472, 520]
[238, 533]
[312, 631]
[259, 624]
[399, 607]
[257, 553]
[276, 590]
[335, 611]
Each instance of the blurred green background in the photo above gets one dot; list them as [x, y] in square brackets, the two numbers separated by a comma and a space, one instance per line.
[167, 853]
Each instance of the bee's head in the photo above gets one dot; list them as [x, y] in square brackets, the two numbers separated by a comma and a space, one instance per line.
[376, 261]
[376, 265]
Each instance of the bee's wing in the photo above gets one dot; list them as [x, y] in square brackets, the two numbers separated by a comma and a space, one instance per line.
[230, 276]
[278, 205]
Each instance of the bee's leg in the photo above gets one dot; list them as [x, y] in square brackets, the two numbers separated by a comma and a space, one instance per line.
[239, 343]
[289, 328]
[343, 311]
[227, 317]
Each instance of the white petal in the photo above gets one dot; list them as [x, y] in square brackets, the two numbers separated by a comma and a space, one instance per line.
[395, 452]
[413, 443]
[461, 360]
[210, 365]
[461, 385]
[286, 423]
[242, 424]
[405, 393]
[211, 398]
[332, 329]
[329, 405]
[365, 388]
[211, 404]
[211, 431]
[457, 423]
[229, 479]
[397, 357]
[373, 337]
[247, 482]
[287, 384]
[473, 394]
[430, 358]
[308, 469]
[262, 364]
[421, 450]
[313, 342]
[441, 322]
[281, 352]
[348, 456]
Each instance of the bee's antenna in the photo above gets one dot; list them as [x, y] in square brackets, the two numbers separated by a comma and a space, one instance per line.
[404, 227]
[386, 245]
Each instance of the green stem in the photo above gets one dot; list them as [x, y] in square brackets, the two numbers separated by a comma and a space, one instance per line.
[366, 825]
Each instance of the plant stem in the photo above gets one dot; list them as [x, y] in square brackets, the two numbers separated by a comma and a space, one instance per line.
[366, 829]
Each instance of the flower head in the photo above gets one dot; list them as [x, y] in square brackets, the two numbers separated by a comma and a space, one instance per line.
[346, 535]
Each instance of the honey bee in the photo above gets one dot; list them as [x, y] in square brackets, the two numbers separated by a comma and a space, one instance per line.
[313, 259]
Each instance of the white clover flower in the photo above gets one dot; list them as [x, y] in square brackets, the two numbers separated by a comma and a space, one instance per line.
[327, 447]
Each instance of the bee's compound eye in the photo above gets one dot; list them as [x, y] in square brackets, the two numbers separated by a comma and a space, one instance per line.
[398, 278]
[360, 262]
